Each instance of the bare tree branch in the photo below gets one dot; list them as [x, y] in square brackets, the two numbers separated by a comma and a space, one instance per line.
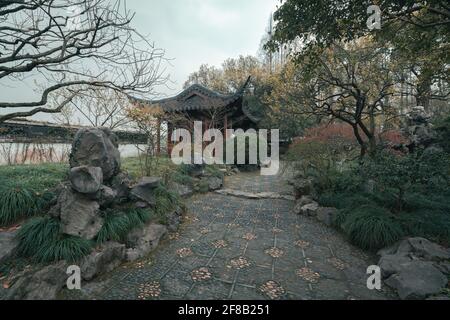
[66, 44]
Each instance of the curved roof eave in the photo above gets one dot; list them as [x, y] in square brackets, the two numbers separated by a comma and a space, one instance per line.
[168, 103]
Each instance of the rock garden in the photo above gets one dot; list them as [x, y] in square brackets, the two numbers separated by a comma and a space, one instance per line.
[98, 219]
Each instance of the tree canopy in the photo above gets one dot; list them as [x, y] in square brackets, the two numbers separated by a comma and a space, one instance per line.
[325, 22]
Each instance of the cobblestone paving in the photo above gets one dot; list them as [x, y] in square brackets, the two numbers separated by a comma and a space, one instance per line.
[234, 248]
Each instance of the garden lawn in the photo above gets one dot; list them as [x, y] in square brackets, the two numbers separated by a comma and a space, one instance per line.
[26, 190]
[26, 193]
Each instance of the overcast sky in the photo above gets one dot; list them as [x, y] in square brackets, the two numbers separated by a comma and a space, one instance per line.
[202, 31]
[192, 32]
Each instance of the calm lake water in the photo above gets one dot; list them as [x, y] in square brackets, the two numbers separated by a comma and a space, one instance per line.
[28, 153]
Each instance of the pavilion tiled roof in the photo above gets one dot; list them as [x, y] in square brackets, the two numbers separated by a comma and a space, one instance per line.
[195, 97]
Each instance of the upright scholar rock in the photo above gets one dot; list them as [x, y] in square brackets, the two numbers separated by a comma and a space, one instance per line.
[94, 165]
[86, 179]
[96, 148]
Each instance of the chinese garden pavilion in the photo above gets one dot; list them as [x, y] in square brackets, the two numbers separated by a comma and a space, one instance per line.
[197, 103]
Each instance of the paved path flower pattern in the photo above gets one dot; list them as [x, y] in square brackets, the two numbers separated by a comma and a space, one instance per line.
[184, 252]
[218, 244]
[308, 275]
[240, 263]
[201, 274]
[149, 290]
[272, 289]
[275, 252]
[235, 248]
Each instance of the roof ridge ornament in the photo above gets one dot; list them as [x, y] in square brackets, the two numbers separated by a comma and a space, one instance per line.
[245, 85]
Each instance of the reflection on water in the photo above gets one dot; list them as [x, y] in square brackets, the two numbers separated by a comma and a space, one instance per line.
[12, 153]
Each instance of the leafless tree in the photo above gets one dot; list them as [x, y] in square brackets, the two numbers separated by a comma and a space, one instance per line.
[75, 45]
[98, 107]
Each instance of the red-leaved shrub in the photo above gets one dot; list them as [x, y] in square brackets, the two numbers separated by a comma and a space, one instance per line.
[342, 135]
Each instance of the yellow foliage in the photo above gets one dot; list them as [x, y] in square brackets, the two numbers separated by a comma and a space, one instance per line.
[145, 115]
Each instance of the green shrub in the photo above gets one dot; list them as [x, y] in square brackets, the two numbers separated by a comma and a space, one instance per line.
[182, 175]
[40, 239]
[165, 200]
[19, 203]
[214, 171]
[384, 198]
[147, 165]
[203, 187]
[25, 190]
[371, 228]
[410, 196]
[326, 163]
[141, 215]
[424, 216]
[400, 175]
[16, 203]
[311, 156]
[433, 225]
[68, 248]
[118, 224]
[339, 219]
[185, 169]
[443, 130]
[322, 180]
[182, 178]
[35, 234]
[421, 201]
[345, 200]
[349, 180]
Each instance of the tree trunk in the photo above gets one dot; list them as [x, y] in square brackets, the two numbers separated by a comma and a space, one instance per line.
[423, 94]
[371, 136]
[372, 146]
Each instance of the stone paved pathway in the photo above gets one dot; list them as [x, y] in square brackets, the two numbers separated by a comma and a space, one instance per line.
[235, 248]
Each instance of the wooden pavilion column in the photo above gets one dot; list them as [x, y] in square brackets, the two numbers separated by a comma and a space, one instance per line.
[206, 124]
[158, 136]
[225, 126]
[169, 138]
